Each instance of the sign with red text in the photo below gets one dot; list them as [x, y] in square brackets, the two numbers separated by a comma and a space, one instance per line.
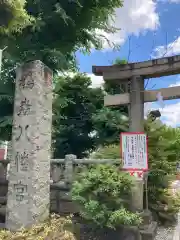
[137, 174]
[3, 150]
[134, 151]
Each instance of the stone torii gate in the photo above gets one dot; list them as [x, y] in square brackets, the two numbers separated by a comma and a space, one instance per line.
[134, 75]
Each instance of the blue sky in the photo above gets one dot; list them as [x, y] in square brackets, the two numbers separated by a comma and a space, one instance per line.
[148, 29]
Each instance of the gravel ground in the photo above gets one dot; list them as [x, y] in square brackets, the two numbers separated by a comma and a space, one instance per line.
[172, 233]
[169, 233]
[165, 234]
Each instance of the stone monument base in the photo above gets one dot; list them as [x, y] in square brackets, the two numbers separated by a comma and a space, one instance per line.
[149, 232]
[148, 228]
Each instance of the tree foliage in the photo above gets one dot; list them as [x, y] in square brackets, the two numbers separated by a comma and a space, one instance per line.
[119, 61]
[163, 156]
[75, 102]
[7, 90]
[81, 121]
[13, 16]
[108, 124]
[61, 28]
[111, 151]
[103, 193]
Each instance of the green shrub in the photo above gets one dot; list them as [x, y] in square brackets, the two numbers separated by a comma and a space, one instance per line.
[163, 155]
[102, 193]
[107, 152]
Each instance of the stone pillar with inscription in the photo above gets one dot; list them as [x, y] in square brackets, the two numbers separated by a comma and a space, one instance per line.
[28, 199]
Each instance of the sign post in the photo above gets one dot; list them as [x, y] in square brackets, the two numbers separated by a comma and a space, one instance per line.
[3, 150]
[134, 153]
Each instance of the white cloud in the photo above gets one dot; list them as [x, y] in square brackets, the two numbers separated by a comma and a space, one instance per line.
[170, 114]
[147, 108]
[169, 1]
[169, 50]
[175, 84]
[97, 81]
[134, 17]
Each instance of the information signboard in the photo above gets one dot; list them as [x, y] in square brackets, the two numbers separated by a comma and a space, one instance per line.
[3, 150]
[134, 151]
[178, 167]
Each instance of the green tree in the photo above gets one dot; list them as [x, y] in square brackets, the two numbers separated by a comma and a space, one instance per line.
[163, 155]
[7, 89]
[81, 120]
[57, 32]
[109, 122]
[112, 87]
[75, 102]
[13, 16]
[60, 28]
[119, 61]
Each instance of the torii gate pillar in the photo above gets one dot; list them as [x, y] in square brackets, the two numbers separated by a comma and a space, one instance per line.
[136, 112]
